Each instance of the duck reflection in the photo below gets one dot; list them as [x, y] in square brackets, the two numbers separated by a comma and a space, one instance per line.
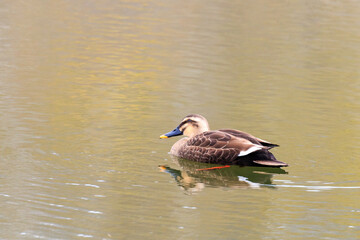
[194, 176]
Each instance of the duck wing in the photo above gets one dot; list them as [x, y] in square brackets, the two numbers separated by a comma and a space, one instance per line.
[217, 147]
[251, 138]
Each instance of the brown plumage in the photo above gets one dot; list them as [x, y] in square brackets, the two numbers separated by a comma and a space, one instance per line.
[225, 146]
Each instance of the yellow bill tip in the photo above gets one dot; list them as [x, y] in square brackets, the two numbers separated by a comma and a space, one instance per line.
[163, 136]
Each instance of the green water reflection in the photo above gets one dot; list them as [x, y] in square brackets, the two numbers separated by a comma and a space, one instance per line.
[194, 176]
[86, 88]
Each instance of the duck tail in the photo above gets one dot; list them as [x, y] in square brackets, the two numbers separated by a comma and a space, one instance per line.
[261, 158]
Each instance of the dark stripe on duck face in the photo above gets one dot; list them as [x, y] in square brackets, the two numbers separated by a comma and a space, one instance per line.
[188, 121]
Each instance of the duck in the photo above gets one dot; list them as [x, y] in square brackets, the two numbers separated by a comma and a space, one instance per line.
[224, 146]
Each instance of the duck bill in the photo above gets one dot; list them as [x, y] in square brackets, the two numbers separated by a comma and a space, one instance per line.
[173, 133]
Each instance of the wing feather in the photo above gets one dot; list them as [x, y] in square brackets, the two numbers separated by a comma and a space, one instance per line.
[251, 138]
[217, 147]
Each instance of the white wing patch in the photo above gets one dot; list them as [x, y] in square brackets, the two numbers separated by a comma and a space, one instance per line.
[250, 150]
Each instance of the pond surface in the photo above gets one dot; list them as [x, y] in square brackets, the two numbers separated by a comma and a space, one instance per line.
[87, 88]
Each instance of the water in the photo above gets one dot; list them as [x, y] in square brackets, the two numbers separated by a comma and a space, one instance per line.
[87, 87]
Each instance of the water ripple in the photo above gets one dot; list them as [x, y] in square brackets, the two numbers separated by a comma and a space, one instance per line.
[312, 187]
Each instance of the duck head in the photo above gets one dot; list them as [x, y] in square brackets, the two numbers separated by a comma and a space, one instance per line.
[190, 126]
